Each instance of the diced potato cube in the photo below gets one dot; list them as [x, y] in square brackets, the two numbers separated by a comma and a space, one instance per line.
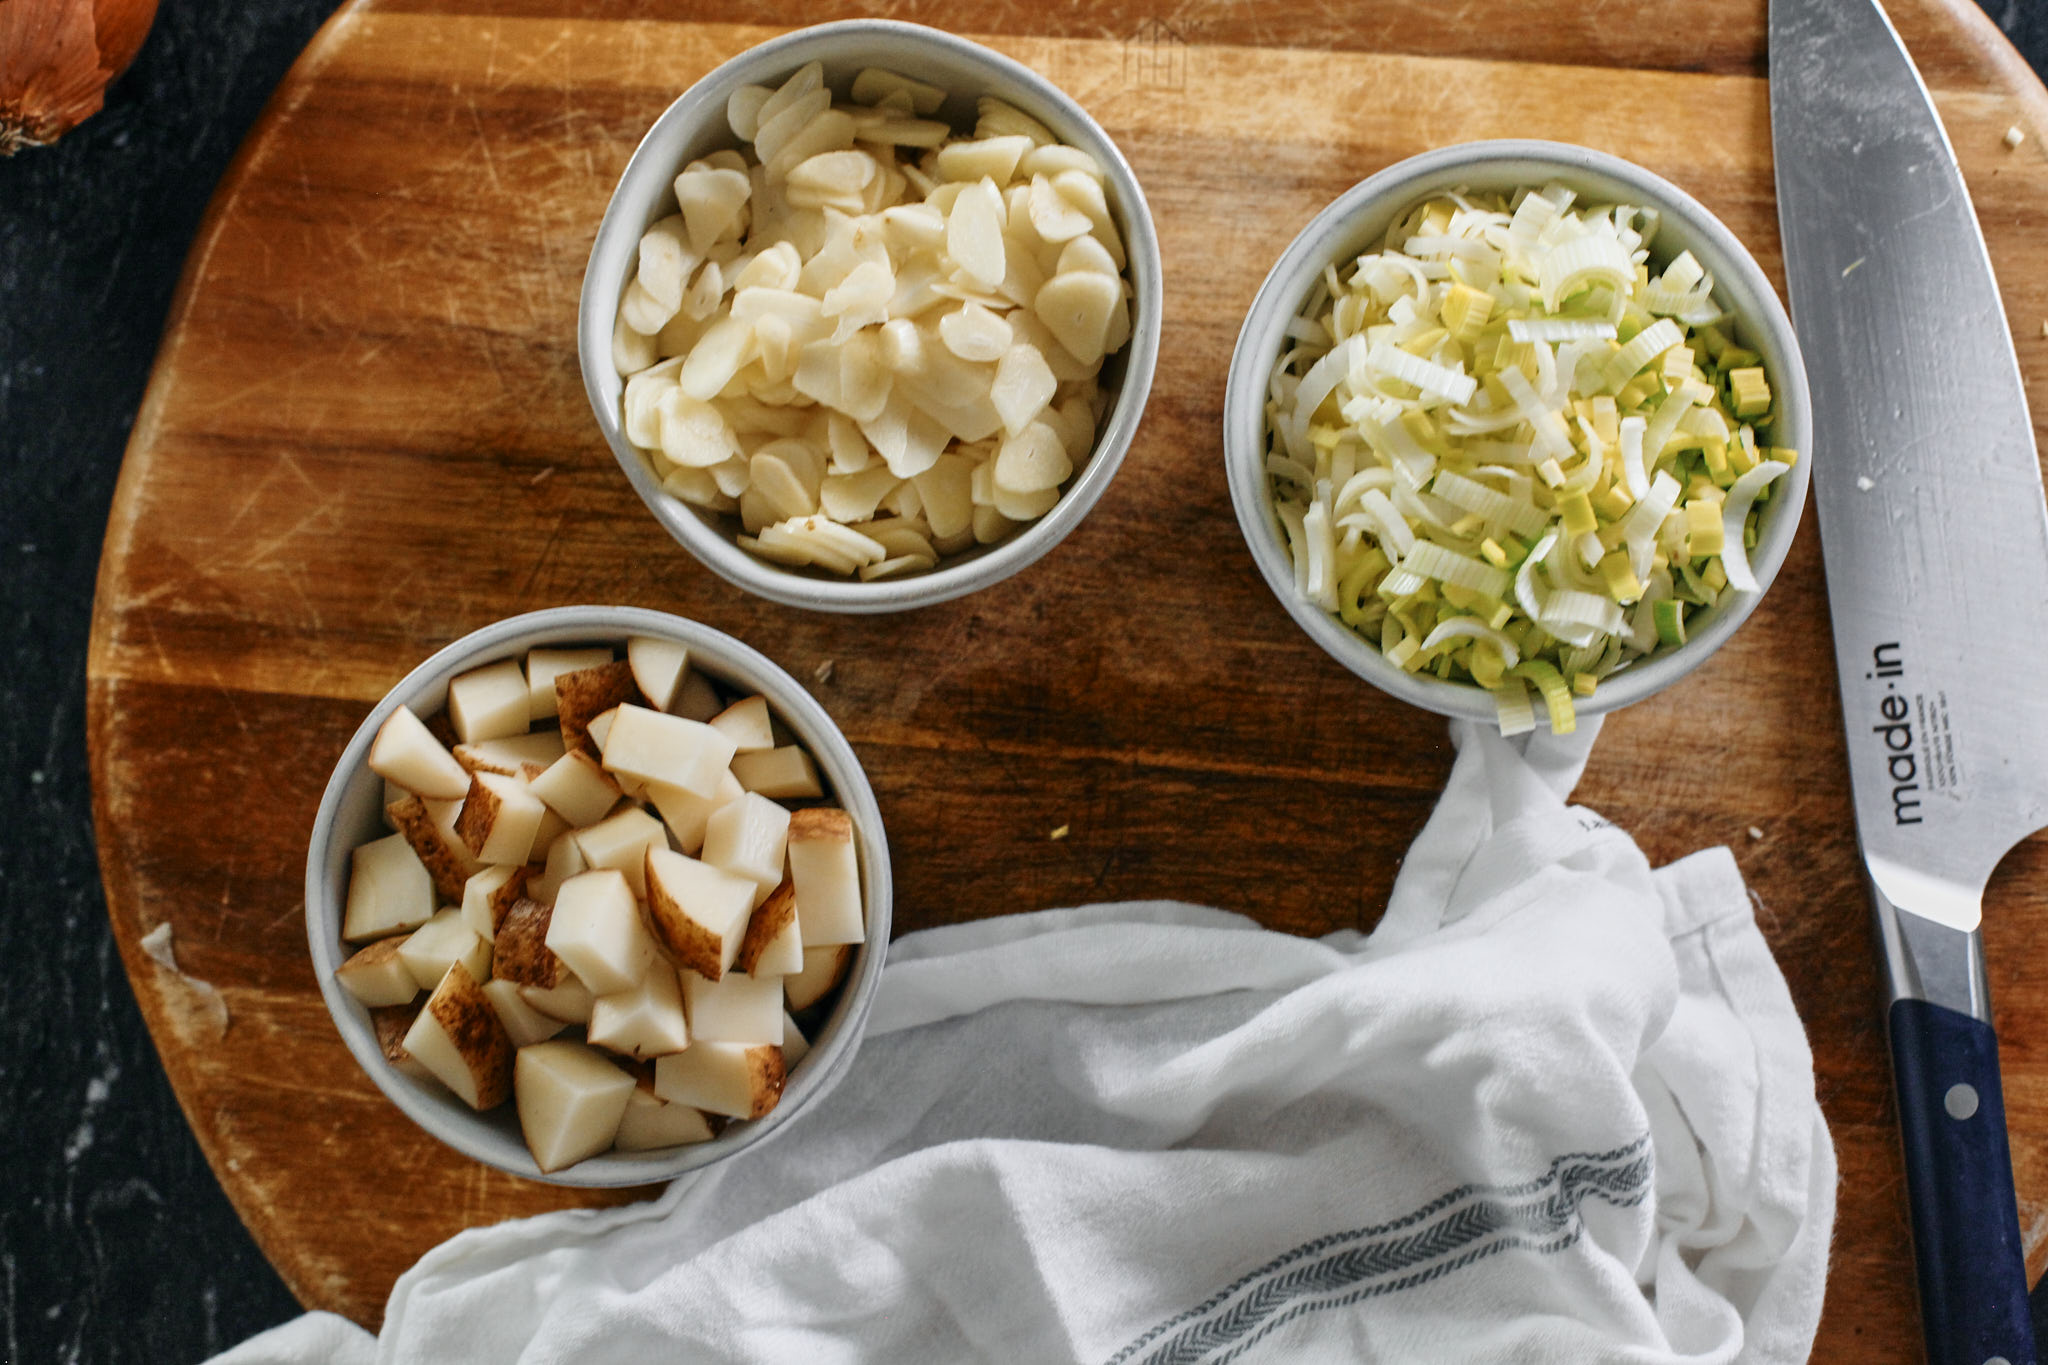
[524, 1024]
[786, 773]
[745, 723]
[596, 930]
[826, 869]
[488, 702]
[687, 813]
[522, 756]
[429, 826]
[577, 788]
[697, 912]
[570, 1102]
[378, 976]
[795, 1047]
[747, 838]
[439, 944]
[621, 842]
[823, 969]
[696, 698]
[499, 820]
[737, 1079]
[570, 1000]
[736, 1008]
[543, 666]
[389, 890]
[590, 692]
[646, 1021]
[519, 950]
[656, 747]
[489, 895]
[406, 752]
[773, 945]
[652, 1122]
[659, 667]
[392, 1023]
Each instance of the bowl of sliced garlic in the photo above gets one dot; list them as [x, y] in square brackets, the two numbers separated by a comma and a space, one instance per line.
[1517, 429]
[872, 317]
[598, 895]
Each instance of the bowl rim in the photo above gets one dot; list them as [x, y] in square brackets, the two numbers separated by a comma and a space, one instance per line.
[1356, 218]
[483, 1137]
[618, 233]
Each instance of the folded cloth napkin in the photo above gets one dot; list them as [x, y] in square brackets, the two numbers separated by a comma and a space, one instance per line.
[1557, 1107]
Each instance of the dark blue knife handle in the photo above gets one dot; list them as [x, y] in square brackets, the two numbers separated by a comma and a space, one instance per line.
[1966, 1230]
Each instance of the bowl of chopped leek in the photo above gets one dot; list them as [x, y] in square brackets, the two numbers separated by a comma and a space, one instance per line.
[1517, 431]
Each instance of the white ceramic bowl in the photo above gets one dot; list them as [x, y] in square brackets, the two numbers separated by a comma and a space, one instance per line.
[696, 125]
[350, 814]
[1354, 224]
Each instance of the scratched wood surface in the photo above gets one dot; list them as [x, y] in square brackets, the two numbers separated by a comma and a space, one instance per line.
[366, 436]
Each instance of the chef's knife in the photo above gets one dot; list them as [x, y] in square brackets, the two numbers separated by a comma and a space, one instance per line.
[1935, 536]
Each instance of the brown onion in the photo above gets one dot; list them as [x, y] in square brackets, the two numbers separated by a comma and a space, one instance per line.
[56, 58]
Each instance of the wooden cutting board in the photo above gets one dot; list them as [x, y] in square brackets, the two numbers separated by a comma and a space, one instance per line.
[366, 436]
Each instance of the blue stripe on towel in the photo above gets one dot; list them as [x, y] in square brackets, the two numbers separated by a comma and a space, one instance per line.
[1452, 1231]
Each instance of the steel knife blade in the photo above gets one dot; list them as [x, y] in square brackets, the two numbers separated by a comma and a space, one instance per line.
[1934, 533]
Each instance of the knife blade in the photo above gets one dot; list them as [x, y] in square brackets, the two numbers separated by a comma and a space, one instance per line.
[1934, 533]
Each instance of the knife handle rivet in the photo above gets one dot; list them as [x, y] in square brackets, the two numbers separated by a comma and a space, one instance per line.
[1961, 1102]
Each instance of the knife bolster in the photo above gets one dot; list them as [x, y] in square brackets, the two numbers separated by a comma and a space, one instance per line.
[1927, 960]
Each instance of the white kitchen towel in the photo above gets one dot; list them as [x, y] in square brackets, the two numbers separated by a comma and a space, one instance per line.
[1558, 1107]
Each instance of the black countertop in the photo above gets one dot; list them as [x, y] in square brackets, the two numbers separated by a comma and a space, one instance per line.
[116, 1244]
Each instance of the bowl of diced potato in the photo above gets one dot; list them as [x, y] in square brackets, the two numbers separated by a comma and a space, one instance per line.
[871, 317]
[598, 895]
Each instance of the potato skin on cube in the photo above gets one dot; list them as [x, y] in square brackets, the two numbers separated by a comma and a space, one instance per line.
[473, 1055]
[440, 849]
[734, 1079]
[520, 953]
[696, 912]
[586, 693]
[768, 921]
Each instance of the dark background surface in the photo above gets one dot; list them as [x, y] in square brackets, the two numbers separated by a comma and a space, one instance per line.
[116, 1244]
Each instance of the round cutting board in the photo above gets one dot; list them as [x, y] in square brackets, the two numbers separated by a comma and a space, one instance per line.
[366, 435]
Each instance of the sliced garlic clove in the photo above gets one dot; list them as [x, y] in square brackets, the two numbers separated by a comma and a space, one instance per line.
[1032, 461]
[712, 202]
[1076, 309]
[1053, 215]
[995, 158]
[1023, 386]
[743, 110]
[974, 233]
[973, 332]
[666, 263]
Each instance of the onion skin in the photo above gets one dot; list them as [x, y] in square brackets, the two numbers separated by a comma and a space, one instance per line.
[56, 60]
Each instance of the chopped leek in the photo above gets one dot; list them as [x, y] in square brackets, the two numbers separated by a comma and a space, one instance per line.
[1669, 616]
[1735, 530]
[1511, 451]
[1557, 697]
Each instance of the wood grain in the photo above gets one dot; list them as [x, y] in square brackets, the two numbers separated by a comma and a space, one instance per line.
[366, 435]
